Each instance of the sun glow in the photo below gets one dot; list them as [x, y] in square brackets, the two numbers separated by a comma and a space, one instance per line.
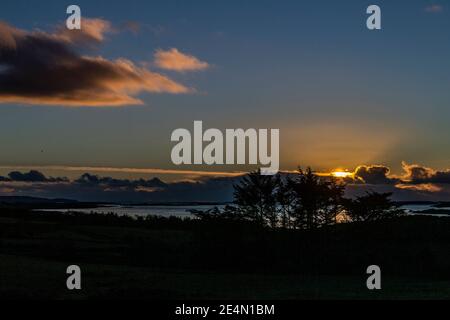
[341, 174]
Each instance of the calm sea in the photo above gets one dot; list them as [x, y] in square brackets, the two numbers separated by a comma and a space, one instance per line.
[142, 211]
[183, 210]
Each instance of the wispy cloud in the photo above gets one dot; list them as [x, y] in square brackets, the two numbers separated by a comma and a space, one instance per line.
[92, 30]
[177, 61]
[434, 8]
[198, 173]
[428, 187]
[132, 26]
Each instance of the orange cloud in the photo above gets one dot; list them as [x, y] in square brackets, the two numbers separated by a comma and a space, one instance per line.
[8, 35]
[175, 60]
[428, 187]
[91, 30]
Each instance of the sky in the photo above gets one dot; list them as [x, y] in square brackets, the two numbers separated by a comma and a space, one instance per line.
[105, 100]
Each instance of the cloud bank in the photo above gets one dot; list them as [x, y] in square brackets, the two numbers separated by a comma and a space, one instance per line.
[42, 68]
[89, 187]
[417, 183]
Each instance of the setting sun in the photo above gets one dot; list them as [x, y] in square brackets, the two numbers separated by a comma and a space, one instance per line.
[341, 174]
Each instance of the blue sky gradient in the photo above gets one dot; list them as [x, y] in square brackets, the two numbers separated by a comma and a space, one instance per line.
[341, 95]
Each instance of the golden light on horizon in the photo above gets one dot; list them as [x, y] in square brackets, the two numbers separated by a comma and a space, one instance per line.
[341, 174]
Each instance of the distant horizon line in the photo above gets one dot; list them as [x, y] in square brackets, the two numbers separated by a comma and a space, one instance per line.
[87, 169]
[124, 170]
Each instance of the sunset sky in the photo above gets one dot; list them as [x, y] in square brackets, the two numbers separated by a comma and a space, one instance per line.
[105, 100]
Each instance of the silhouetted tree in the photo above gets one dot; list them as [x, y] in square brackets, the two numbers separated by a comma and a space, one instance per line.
[317, 199]
[228, 213]
[372, 206]
[285, 200]
[255, 197]
[332, 205]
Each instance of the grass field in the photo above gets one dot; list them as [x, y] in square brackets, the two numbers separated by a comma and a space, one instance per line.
[45, 279]
[129, 262]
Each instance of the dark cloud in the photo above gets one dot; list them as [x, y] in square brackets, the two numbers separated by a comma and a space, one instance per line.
[108, 182]
[374, 174]
[48, 68]
[417, 174]
[31, 176]
[414, 172]
[417, 183]
[440, 177]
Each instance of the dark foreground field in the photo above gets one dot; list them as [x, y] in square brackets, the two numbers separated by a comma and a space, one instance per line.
[173, 259]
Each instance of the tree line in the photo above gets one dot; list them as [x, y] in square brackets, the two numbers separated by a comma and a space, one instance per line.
[302, 200]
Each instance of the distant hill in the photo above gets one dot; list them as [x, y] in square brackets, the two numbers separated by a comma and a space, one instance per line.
[32, 200]
[23, 202]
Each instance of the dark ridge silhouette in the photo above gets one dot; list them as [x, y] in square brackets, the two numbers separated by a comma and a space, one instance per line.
[32, 200]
